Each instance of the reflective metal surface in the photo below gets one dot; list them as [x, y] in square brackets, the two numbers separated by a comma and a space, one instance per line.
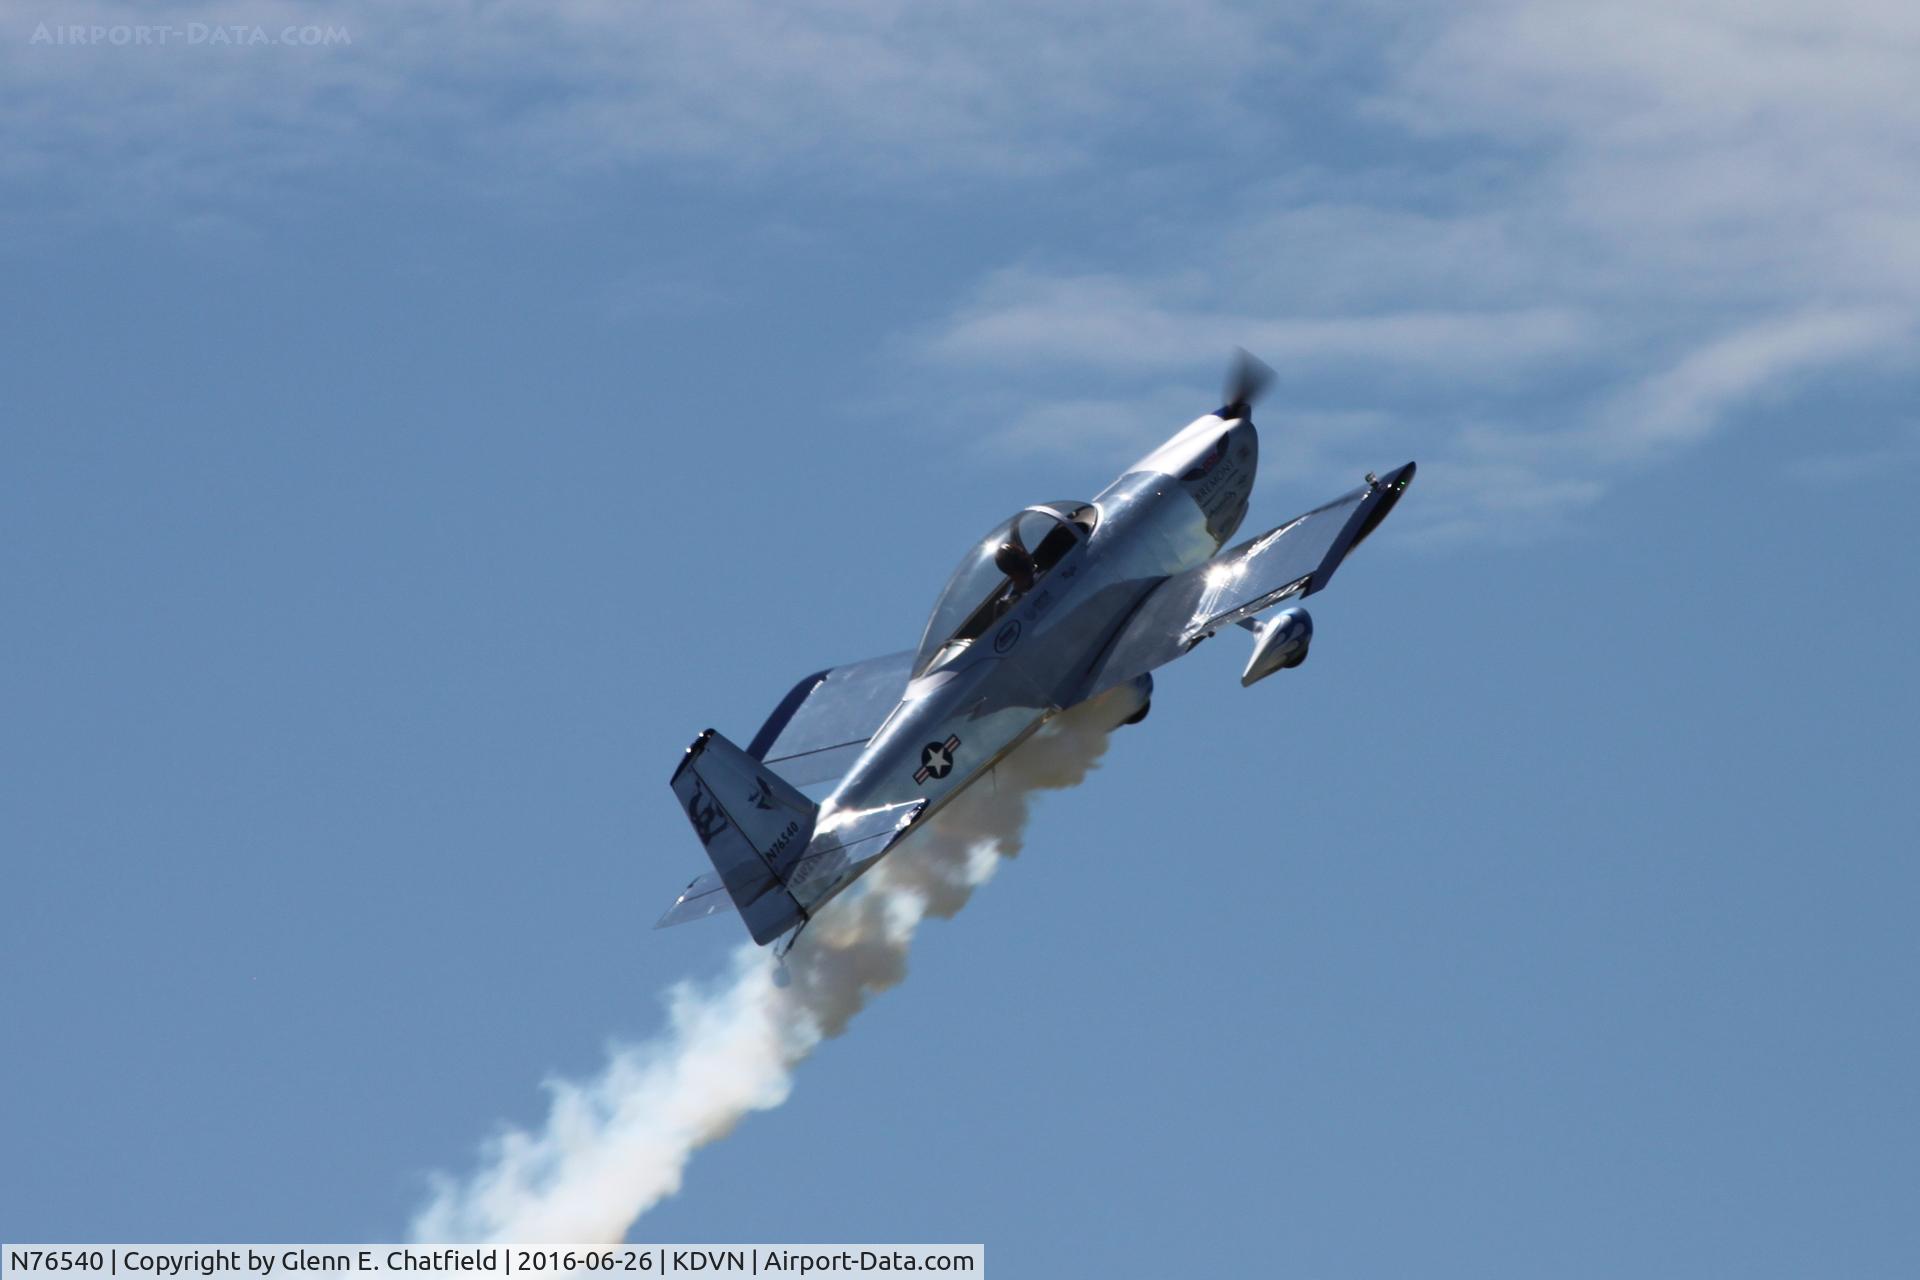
[820, 728]
[982, 589]
[1278, 643]
[1053, 606]
[1296, 559]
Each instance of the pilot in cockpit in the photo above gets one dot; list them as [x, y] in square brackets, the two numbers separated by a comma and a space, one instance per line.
[1012, 559]
[1001, 570]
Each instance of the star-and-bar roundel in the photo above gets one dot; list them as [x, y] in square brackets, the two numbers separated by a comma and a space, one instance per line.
[936, 759]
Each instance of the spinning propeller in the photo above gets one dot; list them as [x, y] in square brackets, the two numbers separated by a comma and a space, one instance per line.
[1245, 381]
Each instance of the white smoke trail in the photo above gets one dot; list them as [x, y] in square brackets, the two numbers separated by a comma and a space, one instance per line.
[615, 1146]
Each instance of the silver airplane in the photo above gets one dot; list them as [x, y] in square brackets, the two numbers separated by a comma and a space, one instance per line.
[1057, 605]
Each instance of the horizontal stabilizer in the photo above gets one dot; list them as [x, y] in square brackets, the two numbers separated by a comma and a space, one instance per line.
[846, 843]
[704, 897]
[822, 725]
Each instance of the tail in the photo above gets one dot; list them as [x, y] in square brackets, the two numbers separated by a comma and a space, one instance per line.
[772, 854]
[755, 826]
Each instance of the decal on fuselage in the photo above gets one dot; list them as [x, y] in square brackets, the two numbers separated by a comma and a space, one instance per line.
[1007, 637]
[1210, 460]
[704, 812]
[780, 843]
[1219, 481]
[936, 759]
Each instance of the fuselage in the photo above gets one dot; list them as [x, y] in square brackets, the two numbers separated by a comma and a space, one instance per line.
[1034, 645]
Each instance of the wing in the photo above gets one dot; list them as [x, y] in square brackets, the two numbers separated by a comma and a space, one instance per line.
[1297, 559]
[819, 728]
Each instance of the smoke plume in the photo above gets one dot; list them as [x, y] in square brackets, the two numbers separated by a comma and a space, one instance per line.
[615, 1146]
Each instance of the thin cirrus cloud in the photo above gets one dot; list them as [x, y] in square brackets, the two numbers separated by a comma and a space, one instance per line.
[1629, 225]
[880, 90]
[1535, 244]
[1685, 403]
[1109, 321]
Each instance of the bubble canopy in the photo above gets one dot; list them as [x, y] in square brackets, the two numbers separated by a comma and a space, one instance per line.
[982, 589]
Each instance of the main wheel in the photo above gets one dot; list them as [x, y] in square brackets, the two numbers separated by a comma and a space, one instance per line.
[1139, 715]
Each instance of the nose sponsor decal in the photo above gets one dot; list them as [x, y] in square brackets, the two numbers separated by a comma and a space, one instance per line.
[1218, 481]
[1007, 637]
[936, 759]
[1207, 462]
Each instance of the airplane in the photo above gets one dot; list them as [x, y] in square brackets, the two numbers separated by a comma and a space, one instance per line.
[1058, 604]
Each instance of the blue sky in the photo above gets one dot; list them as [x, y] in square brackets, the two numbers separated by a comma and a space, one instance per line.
[411, 443]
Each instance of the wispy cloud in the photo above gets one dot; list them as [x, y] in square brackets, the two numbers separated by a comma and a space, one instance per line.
[1540, 243]
[1112, 322]
[1681, 405]
[1610, 233]
[489, 90]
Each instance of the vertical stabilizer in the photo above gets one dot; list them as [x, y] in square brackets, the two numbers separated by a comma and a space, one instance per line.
[754, 826]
